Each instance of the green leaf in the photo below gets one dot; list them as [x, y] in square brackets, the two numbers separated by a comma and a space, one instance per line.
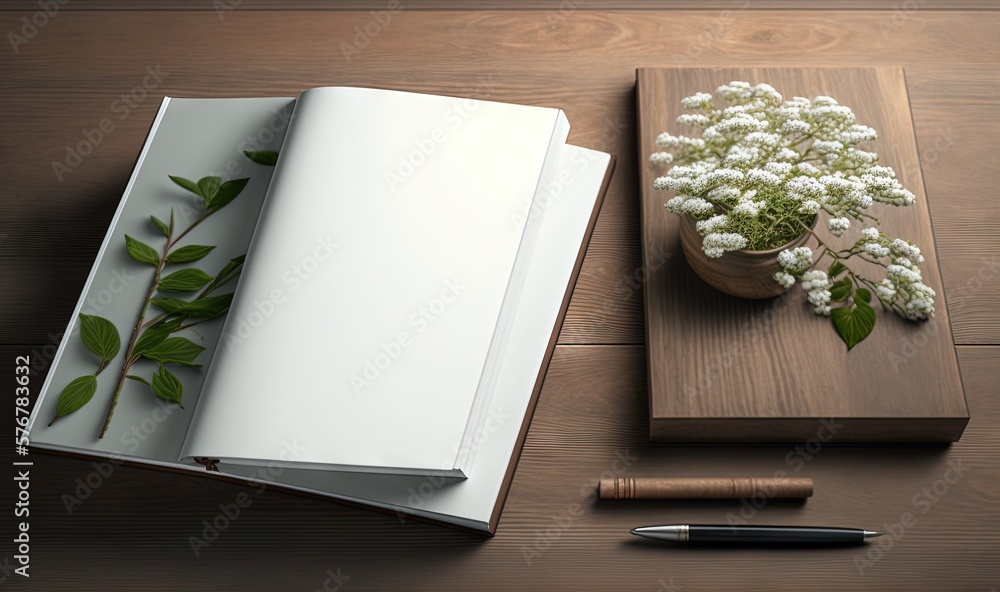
[208, 307]
[176, 350]
[228, 192]
[227, 273]
[863, 294]
[167, 386]
[141, 252]
[854, 324]
[208, 187]
[161, 225]
[185, 280]
[76, 394]
[189, 253]
[100, 337]
[171, 227]
[836, 268]
[138, 379]
[187, 184]
[154, 336]
[841, 290]
[264, 157]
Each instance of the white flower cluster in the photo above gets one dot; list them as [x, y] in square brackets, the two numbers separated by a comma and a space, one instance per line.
[759, 149]
[794, 263]
[797, 260]
[817, 286]
[760, 159]
[904, 285]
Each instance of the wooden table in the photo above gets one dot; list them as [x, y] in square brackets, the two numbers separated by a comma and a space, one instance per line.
[132, 531]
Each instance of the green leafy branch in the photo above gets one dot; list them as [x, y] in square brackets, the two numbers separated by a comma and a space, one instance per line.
[855, 319]
[153, 340]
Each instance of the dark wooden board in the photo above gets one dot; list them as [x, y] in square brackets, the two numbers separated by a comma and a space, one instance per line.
[725, 369]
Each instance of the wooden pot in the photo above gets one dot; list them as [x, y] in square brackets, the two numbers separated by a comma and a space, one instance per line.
[744, 274]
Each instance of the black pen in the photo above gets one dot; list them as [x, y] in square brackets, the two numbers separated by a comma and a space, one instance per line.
[782, 535]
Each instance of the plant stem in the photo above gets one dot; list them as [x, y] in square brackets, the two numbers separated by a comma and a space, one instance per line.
[131, 342]
[142, 315]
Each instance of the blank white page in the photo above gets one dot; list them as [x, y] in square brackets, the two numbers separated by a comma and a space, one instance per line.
[374, 281]
[566, 216]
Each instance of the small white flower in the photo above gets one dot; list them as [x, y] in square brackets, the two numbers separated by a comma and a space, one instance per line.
[885, 290]
[700, 100]
[693, 119]
[697, 206]
[838, 226]
[795, 126]
[715, 244]
[876, 250]
[796, 260]
[748, 208]
[901, 248]
[871, 233]
[709, 226]
[784, 278]
[661, 158]
[675, 205]
[667, 140]
[809, 207]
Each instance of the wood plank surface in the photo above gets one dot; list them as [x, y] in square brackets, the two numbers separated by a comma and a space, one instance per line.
[132, 532]
[225, 6]
[729, 369]
[134, 527]
[63, 82]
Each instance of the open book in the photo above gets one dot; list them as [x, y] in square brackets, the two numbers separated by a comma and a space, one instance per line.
[402, 265]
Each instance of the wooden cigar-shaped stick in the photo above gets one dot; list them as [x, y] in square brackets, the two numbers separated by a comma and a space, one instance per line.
[703, 487]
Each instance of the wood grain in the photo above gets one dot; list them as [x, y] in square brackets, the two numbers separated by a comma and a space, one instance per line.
[561, 6]
[65, 81]
[591, 419]
[590, 423]
[724, 369]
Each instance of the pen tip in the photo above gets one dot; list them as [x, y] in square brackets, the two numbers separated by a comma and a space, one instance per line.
[634, 531]
[870, 534]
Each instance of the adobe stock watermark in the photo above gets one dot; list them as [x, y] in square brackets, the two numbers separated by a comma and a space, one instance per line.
[333, 581]
[95, 303]
[240, 329]
[923, 501]
[795, 461]
[750, 332]
[560, 522]
[629, 286]
[420, 320]
[613, 128]
[223, 7]
[363, 35]
[425, 146]
[274, 127]
[130, 440]
[901, 14]
[33, 24]
[194, 206]
[566, 9]
[93, 137]
[431, 484]
[710, 34]
[910, 345]
[229, 512]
